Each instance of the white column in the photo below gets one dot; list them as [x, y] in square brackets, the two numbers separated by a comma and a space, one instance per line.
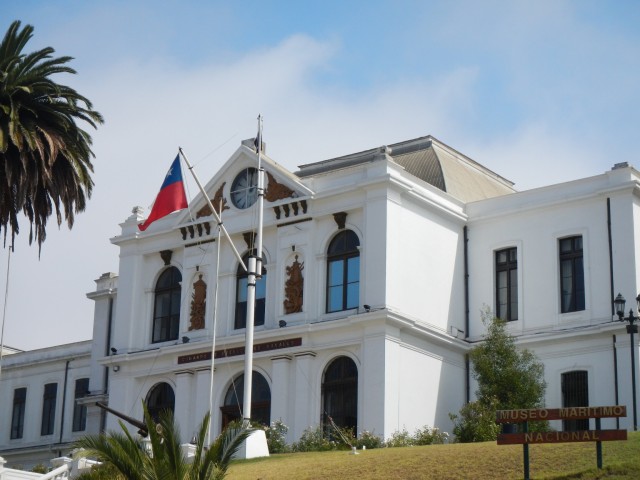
[94, 416]
[280, 388]
[201, 400]
[378, 387]
[306, 411]
[184, 405]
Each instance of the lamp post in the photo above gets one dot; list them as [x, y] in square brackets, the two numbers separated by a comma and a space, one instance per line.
[631, 329]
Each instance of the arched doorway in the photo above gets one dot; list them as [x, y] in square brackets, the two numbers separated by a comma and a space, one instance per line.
[340, 393]
[161, 397]
[260, 402]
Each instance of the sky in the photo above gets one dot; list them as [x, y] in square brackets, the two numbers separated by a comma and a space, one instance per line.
[540, 92]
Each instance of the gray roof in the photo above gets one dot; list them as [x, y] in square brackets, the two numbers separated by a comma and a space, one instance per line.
[431, 161]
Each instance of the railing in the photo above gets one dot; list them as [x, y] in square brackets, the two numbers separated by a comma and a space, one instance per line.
[61, 472]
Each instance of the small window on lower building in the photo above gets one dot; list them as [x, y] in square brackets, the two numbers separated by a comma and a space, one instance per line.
[49, 408]
[80, 410]
[575, 393]
[17, 415]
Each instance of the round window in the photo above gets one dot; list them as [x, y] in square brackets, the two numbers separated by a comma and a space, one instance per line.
[244, 189]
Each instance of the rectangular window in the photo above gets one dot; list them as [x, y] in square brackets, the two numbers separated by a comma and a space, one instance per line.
[49, 408]
[353, 282]
[575, 393]
[507, 284]
[241, 302]
[343, 284]
[571, 275]
[17, 415]
[80, 411]
[335, 290]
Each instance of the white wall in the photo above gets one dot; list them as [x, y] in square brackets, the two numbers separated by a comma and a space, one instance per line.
[32, 370]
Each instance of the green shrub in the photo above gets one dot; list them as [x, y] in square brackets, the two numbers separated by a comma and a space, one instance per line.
[430, 436]
[476, 423]
[343, 437]
[103, 471]
[369, 440]
[314, 440]
[400, 438]
[276, 434]
[40, 468]
[320, 439]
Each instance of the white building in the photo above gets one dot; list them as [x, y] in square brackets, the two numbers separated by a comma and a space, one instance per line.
[40, 392]
[377, 266]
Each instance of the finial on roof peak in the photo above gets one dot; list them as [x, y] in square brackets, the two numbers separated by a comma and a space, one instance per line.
[620, 165]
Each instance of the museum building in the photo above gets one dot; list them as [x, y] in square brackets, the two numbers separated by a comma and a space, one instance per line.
[376, 270]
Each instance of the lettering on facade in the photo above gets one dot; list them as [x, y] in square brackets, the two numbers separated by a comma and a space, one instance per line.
[235, 351]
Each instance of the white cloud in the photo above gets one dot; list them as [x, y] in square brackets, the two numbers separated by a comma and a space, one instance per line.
[535, 155]
[528, 89]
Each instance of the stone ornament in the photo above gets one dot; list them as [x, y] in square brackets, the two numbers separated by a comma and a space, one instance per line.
[294, 287]
[276, 191]
[198, 304]
[217, 198]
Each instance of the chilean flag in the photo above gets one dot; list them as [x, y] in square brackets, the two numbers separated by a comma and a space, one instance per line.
[171, 197]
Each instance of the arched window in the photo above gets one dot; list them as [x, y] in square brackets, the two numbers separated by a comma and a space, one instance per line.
[260, 400]
[340, 393]
[160, 398]
[343, 272]
[166, 312]
[241, 296]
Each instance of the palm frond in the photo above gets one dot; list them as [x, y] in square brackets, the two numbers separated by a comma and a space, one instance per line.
[227, 444]
[45, 154]
[120, 450]
[165, 460]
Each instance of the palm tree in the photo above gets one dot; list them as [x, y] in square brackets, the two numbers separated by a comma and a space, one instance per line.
[45, 157]
[165, 459]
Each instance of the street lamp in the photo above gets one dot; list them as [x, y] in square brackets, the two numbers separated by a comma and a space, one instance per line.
[631, 329]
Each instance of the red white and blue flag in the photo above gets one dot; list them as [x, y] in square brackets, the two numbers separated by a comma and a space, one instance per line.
[171, 196]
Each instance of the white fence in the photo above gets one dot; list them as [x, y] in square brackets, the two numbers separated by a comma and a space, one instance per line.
[64, 468]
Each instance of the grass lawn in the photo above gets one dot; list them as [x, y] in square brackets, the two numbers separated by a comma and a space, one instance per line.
[621, 460]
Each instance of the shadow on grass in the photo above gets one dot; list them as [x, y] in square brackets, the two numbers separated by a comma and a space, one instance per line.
[623, 471]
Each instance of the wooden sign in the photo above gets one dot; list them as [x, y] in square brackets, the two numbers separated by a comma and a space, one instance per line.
[569, 413]
[561, 437]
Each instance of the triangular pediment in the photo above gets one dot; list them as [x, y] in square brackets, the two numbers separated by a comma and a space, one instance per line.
[281, 186]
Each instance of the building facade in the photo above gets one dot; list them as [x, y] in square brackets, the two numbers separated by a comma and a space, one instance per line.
[41, 394]
[377, 267]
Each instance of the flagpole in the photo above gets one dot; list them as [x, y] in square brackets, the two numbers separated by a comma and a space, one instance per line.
[208, 200]
[254, 272]
[213, 340]
[4, 310]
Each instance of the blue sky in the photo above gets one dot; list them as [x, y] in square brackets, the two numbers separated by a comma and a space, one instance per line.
[540, 92]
